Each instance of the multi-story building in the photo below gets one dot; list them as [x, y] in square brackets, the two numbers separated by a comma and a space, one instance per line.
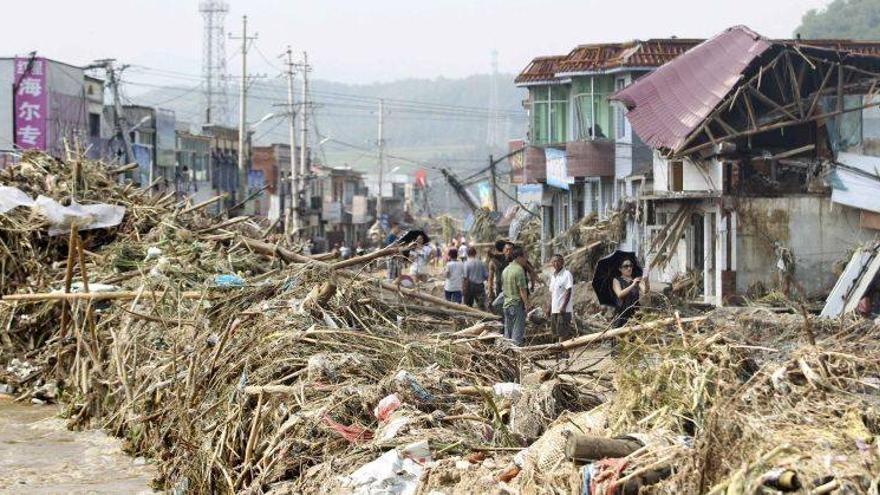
[45, 104]
[341, 187]
[224, 161]
[580, 146]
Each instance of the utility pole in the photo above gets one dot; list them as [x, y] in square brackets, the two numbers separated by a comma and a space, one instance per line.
[242, 112]
[380, 158]
[304, 129]
[119, 124]
[292, 224]
[494, 183]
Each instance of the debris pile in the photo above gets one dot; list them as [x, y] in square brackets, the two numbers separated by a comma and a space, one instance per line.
[242, 365]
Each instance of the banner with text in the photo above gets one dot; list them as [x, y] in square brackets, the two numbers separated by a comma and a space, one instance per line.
[30, 101]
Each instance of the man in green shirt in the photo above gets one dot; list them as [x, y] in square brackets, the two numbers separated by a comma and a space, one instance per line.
[516, 297]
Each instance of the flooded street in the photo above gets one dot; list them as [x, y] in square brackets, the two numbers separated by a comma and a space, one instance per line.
[38, 455]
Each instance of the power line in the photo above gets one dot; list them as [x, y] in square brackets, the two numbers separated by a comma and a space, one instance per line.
[362, 98]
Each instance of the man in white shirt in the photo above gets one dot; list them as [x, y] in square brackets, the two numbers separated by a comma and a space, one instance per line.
[561, 303]
[454, 277]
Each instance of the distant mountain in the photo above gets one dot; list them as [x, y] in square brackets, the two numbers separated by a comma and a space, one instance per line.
[851, 19]
[420, 113]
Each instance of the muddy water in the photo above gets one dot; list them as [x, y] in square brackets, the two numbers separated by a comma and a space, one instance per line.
[38, 455]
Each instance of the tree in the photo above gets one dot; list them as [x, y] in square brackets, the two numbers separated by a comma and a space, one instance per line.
[843, 19]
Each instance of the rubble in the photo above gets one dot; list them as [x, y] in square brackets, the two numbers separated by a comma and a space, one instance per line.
[290, 374]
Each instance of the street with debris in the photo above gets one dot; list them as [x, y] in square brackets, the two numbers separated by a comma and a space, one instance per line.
[666, 281]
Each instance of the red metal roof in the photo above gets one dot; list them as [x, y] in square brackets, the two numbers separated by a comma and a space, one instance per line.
[671, 102]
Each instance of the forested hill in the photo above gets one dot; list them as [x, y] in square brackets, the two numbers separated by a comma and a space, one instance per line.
[849, 19]
[418, 112]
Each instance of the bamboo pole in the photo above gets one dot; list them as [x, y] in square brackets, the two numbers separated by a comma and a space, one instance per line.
[610, 334]
[93, 296]
[203, 204]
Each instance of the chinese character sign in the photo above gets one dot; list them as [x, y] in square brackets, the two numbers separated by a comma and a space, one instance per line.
[31, 103]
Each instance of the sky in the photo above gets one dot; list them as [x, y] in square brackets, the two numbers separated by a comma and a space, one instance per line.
[357, 41]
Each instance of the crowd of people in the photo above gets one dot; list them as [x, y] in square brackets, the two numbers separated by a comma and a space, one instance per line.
[502, 281]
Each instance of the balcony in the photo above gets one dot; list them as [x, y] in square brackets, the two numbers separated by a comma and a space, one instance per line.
[527, 167]
[590, 158]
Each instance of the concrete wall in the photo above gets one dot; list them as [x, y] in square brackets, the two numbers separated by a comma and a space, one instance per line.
[818, 233]
[702, 176]
[661, 174]
[696, 176]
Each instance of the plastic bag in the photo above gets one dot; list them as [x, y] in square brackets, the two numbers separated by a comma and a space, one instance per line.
[386, 406]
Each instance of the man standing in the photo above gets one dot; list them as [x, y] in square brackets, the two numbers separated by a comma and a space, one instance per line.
[516, 297]
[476, 273]
[497, 264]
[561, 304]
[454, 277]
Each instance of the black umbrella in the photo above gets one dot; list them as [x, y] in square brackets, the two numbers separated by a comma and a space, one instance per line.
[607, 269]
[412, 235]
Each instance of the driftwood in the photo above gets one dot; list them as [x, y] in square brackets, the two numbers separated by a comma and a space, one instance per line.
[590, 448]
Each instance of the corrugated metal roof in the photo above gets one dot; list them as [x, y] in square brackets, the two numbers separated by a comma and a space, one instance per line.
[671, 102]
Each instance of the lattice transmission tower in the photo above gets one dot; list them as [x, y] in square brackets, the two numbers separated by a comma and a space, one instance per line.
[214, 61]
[493, 130]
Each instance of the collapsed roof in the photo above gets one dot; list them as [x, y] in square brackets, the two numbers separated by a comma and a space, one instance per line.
[739, 83]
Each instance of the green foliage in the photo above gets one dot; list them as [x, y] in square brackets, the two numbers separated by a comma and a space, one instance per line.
[846, 19]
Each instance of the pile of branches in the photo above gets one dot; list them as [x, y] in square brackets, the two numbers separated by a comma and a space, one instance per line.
[750, 403]
[244, 366]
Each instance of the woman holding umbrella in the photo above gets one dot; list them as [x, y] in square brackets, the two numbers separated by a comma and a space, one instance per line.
[618, 282]
[628, 288]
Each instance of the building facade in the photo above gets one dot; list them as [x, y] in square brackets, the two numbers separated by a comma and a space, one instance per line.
[581, 148]
[759, 184]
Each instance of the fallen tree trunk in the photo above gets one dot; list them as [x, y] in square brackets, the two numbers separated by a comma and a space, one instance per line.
[588, 448]
[388, 251]
[610, 334]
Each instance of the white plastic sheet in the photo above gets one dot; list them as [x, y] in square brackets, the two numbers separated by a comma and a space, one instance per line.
[86, 217]
[390, 474]
[13, 197]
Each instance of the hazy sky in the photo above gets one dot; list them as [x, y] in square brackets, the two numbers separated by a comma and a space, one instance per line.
[362, 41]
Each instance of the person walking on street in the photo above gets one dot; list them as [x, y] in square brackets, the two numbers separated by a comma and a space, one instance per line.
[421, 255]
[454, 277]
[561, 304]
[628, 291]
[476, 274]
[463, 250]
[516, 297]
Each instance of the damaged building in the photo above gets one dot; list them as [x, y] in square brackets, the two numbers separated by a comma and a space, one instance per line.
[766, 169]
